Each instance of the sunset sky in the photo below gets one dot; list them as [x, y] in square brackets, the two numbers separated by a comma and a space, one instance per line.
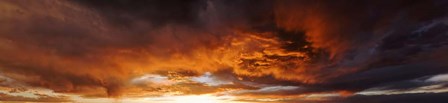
[224, 51]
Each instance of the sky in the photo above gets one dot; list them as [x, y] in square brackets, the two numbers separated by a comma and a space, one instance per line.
[224, 51]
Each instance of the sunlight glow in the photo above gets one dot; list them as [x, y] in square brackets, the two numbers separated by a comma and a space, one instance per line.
[196, 99]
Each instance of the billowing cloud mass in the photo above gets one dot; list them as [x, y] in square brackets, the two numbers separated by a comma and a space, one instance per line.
[379, 51]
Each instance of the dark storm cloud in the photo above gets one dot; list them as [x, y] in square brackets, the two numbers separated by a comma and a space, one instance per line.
[194, 13]
[125, 12]
[372, 42]
[372, 78]
[401, 98]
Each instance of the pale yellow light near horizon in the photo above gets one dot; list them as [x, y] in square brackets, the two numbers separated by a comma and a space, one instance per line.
[197, 99]
[205, 98]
